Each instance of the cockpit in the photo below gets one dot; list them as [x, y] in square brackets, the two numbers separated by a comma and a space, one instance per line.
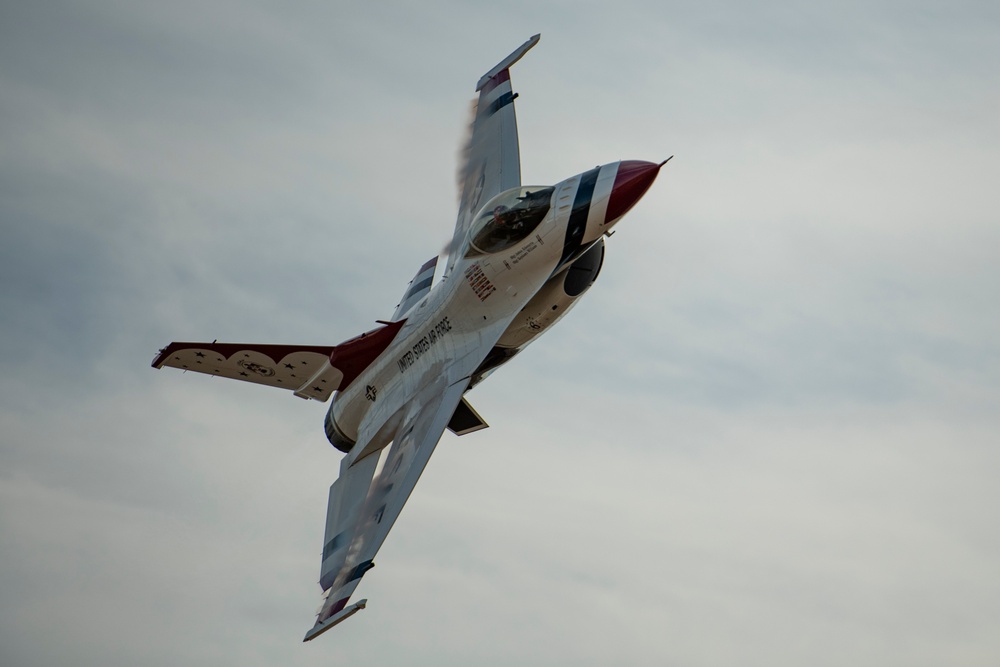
[509, 217]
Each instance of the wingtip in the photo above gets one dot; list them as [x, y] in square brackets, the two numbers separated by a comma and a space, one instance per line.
[343, 615]
[515, 55]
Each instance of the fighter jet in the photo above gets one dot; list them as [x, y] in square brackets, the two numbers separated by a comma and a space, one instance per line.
[520, 258]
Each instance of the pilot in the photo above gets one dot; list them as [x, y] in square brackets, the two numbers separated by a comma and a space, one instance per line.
[499, 216]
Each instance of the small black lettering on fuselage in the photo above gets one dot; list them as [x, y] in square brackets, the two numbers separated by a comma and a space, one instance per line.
[522, 252]
[433, 335]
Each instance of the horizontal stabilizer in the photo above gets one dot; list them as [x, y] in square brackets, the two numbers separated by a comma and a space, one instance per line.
[342, 615]
[466, 420]
[311, 371]
[304, 368]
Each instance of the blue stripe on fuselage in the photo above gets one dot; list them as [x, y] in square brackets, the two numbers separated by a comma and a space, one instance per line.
[577, 225]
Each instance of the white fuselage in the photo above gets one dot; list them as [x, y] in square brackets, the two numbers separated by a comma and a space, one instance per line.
[471, 307]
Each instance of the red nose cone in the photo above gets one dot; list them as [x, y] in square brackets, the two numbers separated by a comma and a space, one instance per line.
[633, 179]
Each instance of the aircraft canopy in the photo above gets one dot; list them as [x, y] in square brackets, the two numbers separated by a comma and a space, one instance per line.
[509, 217]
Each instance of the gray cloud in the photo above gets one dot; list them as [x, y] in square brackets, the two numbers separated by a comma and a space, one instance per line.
[766, 436]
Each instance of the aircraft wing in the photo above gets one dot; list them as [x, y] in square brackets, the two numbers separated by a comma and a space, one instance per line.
[373, 486]
[492, 158]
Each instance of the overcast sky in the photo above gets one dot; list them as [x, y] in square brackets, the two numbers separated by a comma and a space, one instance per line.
[769, 435]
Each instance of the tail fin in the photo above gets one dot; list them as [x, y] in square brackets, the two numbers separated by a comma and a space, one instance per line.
[418, 287]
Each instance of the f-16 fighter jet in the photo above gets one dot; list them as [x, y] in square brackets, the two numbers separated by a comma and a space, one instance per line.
[520, 258]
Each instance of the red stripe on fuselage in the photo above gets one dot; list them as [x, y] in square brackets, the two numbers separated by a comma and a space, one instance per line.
[354, 356]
